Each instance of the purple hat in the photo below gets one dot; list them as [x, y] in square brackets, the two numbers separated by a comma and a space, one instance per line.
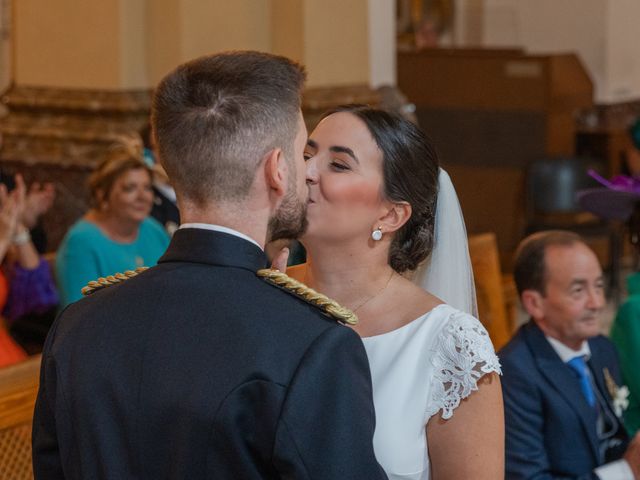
[614, 202]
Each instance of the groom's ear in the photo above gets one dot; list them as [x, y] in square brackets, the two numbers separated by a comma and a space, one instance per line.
[394, 217]
[276, 172]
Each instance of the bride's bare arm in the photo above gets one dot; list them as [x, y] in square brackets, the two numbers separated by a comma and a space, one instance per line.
[470, 444]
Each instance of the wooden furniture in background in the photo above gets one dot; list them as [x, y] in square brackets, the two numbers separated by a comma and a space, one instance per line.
[603, 132]
[608, 143]
[18, 391]
[492, 307]
[511, 301]
[490, 113]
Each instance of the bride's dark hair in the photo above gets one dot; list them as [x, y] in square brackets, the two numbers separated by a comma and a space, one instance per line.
[410, 174]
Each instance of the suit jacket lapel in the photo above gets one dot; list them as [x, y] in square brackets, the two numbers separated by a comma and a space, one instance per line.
[196, 245]
[597, 371]
[564, 382]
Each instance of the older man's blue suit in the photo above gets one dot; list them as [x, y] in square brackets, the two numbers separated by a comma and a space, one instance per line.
[199, 369]
[550, 428]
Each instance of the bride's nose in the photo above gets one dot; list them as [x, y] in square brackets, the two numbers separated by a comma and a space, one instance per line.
[312, 170]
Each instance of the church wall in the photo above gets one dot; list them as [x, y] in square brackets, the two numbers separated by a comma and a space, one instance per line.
[217, 25]
[602, 32]
[66, 43]
[163, 40]
[336, 40]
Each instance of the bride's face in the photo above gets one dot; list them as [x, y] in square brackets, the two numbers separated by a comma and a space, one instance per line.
[344, 174]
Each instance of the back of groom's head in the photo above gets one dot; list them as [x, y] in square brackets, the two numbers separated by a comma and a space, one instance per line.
[215, 118]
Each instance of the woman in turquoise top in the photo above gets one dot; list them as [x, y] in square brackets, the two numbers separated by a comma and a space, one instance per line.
[116, 234]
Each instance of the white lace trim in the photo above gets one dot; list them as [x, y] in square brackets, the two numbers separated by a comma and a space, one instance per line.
[464, 355]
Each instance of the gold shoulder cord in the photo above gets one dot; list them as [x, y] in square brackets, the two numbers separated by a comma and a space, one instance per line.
[275, 277]
[330, 307]
[103, 282]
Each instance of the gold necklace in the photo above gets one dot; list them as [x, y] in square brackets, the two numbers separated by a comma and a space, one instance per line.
[375, 294]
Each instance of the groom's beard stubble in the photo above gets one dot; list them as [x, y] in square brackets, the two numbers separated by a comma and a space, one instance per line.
[290, 220]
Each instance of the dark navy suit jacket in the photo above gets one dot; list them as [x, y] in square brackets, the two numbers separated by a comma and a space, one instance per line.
[551, 430]
[198, 369]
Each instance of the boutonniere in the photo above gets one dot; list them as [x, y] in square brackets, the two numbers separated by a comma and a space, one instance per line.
[619, 394]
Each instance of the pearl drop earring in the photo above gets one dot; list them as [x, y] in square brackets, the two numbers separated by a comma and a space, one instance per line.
[376, 235]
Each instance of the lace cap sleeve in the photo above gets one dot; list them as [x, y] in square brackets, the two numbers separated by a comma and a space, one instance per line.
[463, 354]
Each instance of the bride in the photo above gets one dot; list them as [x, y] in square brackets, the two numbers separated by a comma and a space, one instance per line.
[373, 184]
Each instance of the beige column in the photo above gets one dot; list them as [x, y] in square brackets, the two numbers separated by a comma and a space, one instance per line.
[180, 30]
[331, 37]
[89, 44]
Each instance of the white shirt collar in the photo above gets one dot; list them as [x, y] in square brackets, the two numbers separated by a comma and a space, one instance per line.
[220, 228]
[565, 353]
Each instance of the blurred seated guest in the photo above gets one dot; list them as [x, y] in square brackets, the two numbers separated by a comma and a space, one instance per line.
[116, 234]
[619, 199]
[561, 378]
[33, 299]
[39, 200]
[10, 207]
[165, 207]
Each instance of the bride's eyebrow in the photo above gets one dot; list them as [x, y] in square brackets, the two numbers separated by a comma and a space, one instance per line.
[347, 150]
[336, 149]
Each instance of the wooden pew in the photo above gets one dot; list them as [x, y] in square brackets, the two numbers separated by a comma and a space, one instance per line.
[18, 391]
[490, 113]
[492, 305]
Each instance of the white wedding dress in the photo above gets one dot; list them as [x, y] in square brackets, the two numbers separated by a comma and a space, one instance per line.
[421, 369]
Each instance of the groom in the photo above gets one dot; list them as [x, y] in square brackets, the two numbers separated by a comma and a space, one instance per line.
[198, 368]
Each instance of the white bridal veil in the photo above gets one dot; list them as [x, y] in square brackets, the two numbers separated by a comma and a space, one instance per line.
[447, 272]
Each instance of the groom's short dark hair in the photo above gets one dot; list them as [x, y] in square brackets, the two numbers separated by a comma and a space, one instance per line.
[214, 119]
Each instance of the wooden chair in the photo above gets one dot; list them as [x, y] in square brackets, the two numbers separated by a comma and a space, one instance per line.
[492, 307]
[18, 391]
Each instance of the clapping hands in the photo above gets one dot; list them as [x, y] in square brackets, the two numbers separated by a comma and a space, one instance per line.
[38, 201]
[11, 210]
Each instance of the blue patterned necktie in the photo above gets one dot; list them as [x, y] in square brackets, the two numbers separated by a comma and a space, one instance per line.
[579, 366]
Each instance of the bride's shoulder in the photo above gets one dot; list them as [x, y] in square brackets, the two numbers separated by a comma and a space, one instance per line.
[463, 354]
[455, 327]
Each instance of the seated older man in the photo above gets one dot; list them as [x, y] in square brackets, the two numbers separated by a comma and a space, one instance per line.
[561, 378]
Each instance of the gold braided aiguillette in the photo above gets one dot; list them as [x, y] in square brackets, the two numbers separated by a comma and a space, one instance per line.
[103, 282]
[330, 307]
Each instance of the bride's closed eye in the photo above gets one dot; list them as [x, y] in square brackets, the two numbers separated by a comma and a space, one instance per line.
[339, 166]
